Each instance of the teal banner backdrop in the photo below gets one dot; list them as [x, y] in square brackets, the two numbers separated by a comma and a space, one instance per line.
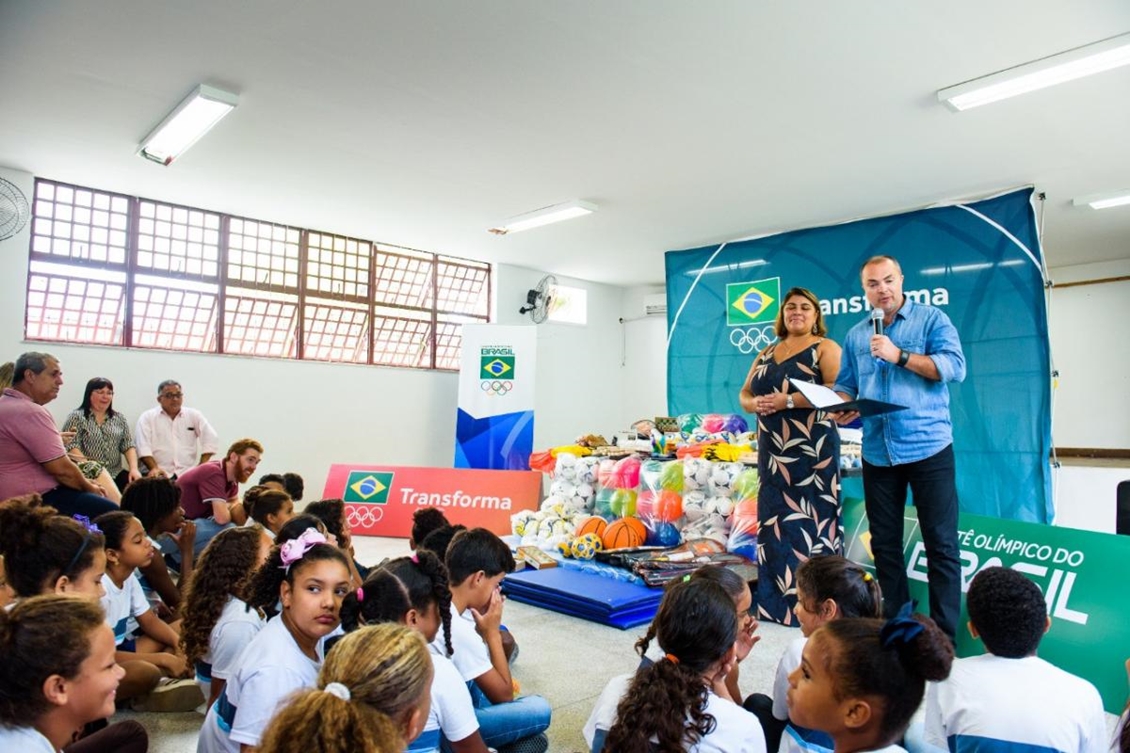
[980, 262]
[1079, 572]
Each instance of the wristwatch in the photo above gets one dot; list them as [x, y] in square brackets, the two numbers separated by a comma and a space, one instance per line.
[904, 358]
[789, 402]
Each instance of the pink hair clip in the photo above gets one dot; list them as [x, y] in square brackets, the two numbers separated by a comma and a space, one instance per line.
[415, 558]
[296, 549]
[360, 595]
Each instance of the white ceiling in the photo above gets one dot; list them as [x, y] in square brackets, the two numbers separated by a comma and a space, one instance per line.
[424, 123]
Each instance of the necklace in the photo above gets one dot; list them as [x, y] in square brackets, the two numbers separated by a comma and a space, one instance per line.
[788, 350]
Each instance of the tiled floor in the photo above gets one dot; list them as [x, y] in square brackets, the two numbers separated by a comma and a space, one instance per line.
[565, 659]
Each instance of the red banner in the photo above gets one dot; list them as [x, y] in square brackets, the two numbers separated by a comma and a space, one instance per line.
[380, 499]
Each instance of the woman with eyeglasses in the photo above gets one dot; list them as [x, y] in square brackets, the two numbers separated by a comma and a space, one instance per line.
[102, 434]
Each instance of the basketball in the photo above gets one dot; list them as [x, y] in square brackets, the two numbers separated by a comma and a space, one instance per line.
[594, 524]
[625, 533]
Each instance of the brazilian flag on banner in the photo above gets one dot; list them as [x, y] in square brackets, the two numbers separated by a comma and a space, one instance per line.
[753, 302]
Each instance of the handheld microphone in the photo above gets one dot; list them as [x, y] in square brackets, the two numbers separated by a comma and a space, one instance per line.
[877, 320]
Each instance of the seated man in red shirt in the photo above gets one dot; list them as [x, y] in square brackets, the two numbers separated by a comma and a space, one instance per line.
[32, 457]
[210, 491]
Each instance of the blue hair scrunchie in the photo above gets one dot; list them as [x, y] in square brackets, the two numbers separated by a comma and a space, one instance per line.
[902, 628]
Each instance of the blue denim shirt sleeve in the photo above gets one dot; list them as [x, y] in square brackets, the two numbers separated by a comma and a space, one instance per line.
[924, 429]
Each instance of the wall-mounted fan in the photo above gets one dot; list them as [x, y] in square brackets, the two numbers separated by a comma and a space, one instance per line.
[539, 299]
[14, 210]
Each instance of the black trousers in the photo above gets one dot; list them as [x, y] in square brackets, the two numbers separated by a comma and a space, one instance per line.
[933, 484]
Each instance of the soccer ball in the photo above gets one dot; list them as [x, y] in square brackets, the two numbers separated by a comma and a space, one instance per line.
[694, 505]
[723, 506]
[522, 522]
[585, 546]
[586, 470]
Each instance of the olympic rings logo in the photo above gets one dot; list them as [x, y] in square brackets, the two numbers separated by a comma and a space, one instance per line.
[363, 516]
[496, 387]
[752, 339]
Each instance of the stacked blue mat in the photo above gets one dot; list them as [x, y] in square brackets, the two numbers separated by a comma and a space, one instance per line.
[586, 595]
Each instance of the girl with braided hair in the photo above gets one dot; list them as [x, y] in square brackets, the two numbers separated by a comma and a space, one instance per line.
[309, 578]
[413, 591]
[372, 696]
[671, 705]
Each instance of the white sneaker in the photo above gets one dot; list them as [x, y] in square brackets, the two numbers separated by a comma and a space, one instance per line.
[170, 695]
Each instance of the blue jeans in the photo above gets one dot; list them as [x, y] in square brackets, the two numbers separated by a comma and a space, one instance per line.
[206, 530]
[935, 499]
[70, 502]
[504, 723]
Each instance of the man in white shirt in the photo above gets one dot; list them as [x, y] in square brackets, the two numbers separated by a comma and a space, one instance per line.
[172, 438]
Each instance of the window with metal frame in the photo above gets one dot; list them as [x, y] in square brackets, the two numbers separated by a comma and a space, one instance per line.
[111, 269]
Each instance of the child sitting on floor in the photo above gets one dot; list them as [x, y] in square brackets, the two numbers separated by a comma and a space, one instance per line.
[828, 588]
[309, 578]
[60, 675]
[414, 591]
[671, 705]
[218, 624]
[155, 501]
[861, 680]
[268, 507]
[1010, 698]
[139, 633]
[371, 697]
[476, 562]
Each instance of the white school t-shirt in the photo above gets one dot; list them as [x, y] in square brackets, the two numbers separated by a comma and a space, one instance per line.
[25, 740]
[269, 669]
[452, 712]
[1019, 701]
[232, 633]
[735, 731]
[123, 606]
[471, 656]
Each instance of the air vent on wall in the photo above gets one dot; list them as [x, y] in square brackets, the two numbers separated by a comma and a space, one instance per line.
[656, 304]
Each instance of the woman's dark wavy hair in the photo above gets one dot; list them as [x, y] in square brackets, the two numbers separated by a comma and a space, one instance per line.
[861, 666]
[405, 583]
[40, 546]
[96, 383]
[151, 498]
[855, 591]
[697, 626]
[223, 571]
[734, 584]
[263, 590]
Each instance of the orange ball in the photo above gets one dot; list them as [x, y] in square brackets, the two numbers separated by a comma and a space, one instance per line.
[595, 524]
[669, 506]
[624, 533]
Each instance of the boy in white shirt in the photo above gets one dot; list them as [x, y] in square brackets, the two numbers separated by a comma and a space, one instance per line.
[477, 560]
[1009, 698]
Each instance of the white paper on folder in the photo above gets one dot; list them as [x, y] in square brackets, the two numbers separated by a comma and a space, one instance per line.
[817, 394]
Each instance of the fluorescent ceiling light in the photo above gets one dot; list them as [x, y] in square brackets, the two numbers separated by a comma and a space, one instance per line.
[1104, 201]
[191, 119]
[1049, 71]
[544, 216]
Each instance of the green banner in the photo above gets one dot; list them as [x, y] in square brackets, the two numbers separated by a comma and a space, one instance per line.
[1081, 573]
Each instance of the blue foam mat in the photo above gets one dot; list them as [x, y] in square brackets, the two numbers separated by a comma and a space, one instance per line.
[585, 595]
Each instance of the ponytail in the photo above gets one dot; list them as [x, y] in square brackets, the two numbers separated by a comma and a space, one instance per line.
[696, 626]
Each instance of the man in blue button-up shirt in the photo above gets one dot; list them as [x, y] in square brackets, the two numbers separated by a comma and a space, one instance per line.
[909, 364]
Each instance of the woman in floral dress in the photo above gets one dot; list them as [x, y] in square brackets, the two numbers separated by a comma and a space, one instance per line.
[798, 454]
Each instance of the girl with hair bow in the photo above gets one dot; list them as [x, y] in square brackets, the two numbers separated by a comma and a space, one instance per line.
[309, 577]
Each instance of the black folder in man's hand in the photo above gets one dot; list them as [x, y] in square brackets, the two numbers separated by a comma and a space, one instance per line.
[831, 402]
